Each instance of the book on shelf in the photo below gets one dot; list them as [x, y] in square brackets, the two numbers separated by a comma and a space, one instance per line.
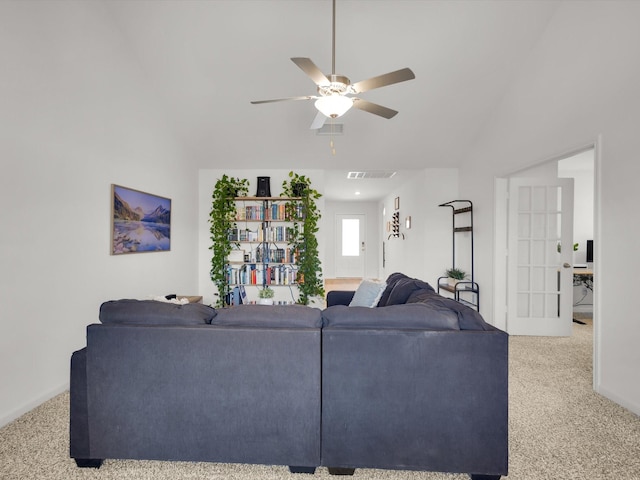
[258, 274]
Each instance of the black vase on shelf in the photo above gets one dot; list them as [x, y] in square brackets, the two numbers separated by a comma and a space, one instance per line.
[264, 187]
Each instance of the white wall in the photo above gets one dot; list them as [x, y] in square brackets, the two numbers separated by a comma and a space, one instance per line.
[76, 116]
[579, 86]
[373, 245]
[425, 252]
[207, 182]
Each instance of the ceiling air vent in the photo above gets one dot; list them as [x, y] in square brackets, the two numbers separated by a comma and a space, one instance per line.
[331, 129]
[370, 174]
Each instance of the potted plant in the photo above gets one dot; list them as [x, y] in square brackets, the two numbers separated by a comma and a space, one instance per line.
[266, 296]
[455, 275]
[303, 211]
[222, 218]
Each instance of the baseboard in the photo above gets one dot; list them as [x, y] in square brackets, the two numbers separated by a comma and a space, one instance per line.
[30, 405]
[631, 406]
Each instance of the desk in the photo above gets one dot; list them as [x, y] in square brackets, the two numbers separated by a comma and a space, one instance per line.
[583, 271]
[584, 277]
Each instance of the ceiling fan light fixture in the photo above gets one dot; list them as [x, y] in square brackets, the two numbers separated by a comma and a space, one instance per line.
[334, 106]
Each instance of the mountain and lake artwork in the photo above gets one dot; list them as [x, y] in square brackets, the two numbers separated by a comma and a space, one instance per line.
[141, 222]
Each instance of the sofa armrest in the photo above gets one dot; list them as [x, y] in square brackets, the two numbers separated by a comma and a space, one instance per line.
[79, 422]
[339, 297]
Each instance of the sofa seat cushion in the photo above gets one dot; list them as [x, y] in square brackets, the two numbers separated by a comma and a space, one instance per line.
[468, 318]
[415, 316]
[271, 316]
[150, 312]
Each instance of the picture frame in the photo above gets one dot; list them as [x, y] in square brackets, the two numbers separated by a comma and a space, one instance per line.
[396, 203]
[140, 221]
[407, 222]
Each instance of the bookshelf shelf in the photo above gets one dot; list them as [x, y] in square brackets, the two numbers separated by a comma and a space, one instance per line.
[262, 231]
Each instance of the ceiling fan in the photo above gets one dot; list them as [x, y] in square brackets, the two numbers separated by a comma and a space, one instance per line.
[334, 91]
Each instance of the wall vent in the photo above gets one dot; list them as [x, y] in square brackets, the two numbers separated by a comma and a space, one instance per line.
[331, 129]
[370, 174]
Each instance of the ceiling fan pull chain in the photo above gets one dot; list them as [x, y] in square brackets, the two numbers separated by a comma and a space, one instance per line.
[333, 150]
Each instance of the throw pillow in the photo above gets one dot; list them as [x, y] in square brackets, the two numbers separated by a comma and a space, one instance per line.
[150, 312]
[368, 293]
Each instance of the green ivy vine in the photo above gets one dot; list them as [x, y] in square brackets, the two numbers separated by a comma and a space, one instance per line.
[303, 211]
[222, 218]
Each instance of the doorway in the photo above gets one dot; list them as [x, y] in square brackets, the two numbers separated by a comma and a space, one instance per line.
[507, 291]
[350, 245]
[586, 228]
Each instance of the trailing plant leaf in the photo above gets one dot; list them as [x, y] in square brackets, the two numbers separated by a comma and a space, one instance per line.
[305, 215]
[222, 218]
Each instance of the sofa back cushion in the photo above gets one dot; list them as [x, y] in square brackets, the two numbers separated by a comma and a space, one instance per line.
[271, 316]
[468, 318]
[391, 282]
[415, 316]
[151, 312]
[403, 289]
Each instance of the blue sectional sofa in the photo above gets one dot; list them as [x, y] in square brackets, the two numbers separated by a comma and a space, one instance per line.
[417, 383]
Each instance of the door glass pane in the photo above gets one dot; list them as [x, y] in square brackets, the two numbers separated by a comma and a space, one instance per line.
[552, 306]
[539, 199]
[537, 280]
[523, 252]
[524, 227]
[523, 305]
[350, 237]
[523, 279]
[537, 252]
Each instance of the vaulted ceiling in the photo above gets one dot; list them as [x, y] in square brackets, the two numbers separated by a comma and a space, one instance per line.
[206, 60]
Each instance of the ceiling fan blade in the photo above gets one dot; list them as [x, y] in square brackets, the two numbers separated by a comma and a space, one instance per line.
[318, 122]
[308, 97]
[383, 80]
[314, 73]
[374, 108]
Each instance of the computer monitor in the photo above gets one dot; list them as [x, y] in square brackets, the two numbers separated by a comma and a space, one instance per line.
[589, 251]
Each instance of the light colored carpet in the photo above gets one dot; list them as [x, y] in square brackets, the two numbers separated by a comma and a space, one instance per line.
[559, 429]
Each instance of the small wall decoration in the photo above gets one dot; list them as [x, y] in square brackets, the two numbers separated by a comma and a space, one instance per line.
[395, 227]
[140, 222]
[407, 222]
[396, 203]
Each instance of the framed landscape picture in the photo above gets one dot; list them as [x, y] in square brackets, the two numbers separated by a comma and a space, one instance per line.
[140, 222]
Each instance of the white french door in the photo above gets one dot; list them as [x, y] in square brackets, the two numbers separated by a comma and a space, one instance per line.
[540, 252]
[350, 245]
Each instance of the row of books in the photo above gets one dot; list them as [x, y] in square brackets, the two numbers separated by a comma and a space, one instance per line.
[269, 234]
[261, 212]
[256, 274]
[275, 255]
